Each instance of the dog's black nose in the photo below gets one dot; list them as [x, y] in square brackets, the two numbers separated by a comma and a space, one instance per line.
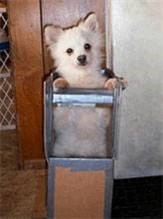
[82, 59]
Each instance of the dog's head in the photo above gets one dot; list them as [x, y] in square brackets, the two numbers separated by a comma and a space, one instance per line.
[76, 47]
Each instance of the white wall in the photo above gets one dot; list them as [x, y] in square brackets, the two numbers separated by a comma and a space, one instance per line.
[138, 55]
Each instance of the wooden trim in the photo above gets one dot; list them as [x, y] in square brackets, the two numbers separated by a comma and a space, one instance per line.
[26, 53]
[2, 5]
[36, 164]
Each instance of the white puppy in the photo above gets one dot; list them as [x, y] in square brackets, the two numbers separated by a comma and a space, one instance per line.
[77, 54]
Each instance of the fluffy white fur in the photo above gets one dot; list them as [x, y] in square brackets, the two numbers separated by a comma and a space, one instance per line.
[60, 40]
[80, 132]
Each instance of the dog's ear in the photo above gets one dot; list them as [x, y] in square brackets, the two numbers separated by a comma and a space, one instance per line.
[51, 34]
[90, 22]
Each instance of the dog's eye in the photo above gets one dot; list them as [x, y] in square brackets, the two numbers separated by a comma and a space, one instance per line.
[69, 51]
[87, 46]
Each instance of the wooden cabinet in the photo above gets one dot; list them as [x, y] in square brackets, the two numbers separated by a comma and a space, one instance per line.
[31, 61]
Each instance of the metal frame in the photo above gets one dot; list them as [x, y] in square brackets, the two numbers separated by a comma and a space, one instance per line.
[79, 97]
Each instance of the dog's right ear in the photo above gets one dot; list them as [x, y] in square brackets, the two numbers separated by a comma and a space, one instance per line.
[51, 34]
[91, 23]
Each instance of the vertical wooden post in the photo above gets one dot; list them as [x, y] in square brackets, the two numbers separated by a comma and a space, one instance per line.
[26, 48]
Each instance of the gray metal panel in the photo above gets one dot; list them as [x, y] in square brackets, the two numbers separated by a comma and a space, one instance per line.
[48, 116]
[116, 121]
[82, 164]
[80, 96]
[109, 177]
[51, 193]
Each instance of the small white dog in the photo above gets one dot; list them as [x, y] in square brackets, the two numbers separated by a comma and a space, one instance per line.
[77, 54]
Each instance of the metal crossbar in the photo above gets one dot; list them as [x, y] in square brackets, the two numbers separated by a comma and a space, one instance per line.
[83, 97]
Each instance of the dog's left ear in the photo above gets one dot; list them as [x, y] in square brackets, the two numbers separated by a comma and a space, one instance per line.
[91, 22]
[51, 34]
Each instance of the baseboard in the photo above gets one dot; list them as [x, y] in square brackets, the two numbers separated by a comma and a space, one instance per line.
[34, 164]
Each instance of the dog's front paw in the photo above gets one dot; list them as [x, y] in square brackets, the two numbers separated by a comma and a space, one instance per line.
[124, 83]
[111, 83]
[116, 82]
[60, 83]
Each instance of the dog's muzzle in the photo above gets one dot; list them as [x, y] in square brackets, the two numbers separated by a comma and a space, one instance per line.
[82, 60]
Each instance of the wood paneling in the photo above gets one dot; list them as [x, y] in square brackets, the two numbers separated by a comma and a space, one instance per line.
[68, 12]
[25, 33]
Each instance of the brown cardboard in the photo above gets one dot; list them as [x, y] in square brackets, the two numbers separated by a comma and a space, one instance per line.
[79, 194]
